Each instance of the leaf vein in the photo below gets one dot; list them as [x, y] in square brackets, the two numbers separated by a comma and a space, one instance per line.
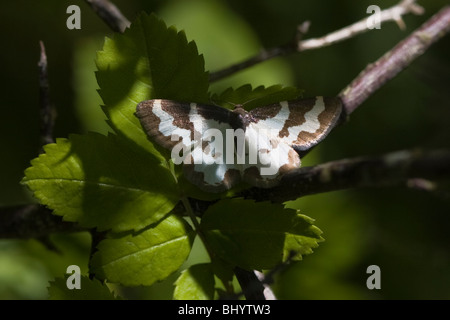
[142, 251]
[101, 184]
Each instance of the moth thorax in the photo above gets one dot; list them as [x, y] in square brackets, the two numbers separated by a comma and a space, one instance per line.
[239, 109]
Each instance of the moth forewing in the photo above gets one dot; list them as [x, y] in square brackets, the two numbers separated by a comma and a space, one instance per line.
[310, 121]
[162, 121]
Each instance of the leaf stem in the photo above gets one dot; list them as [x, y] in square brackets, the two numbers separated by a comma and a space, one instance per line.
[187, 205]
[194, 220]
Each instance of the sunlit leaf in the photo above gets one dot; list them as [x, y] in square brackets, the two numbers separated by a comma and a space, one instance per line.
[258, 235]
[195, 283]
[101, 182]
[149, 60]
[147, 257]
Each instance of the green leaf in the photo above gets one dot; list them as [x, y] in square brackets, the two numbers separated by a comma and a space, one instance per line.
[147, 257]
[89, 290]
[147, 61]
[195, 283]
[100, 182]
[86, 100]
[258, 235]
[260, 96]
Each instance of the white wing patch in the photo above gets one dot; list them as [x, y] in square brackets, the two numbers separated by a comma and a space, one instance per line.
[266, 151]
[206, 150]
[166, 126]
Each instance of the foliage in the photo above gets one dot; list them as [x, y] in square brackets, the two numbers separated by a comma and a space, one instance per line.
[402, 230]
[124, 185]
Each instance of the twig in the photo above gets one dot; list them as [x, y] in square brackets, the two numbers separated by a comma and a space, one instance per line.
[252, 287]
[32, 221]
[197, 228]
[264, 55]
[46, 110]
[428, 186]
[110, 14]
[395, 60]
[394, 13]
[392, 169]
[266, 282]
[256, 285]
[267, 279]
[297, 45]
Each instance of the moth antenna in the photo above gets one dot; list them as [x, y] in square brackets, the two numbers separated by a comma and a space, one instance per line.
[226, 102]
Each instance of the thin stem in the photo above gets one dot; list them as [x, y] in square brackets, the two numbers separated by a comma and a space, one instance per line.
[110, 14]
[194, 220]
[252, 287]
[46, 110]
[197, 228]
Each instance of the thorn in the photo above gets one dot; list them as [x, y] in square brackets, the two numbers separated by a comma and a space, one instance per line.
[302, 29]
[401, 24]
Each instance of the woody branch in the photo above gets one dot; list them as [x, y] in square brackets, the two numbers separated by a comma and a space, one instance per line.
[401, 168]
[394, 61]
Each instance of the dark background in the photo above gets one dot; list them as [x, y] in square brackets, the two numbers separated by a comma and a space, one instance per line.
[403, 231]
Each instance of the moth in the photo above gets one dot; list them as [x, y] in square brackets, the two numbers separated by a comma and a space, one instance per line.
[219, 147]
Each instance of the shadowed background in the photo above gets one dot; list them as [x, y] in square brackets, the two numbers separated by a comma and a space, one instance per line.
[403, 231]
